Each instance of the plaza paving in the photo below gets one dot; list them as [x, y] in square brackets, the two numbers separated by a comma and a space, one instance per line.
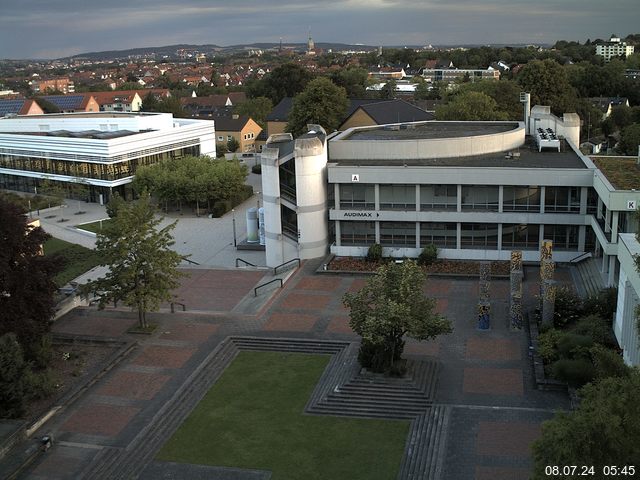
[485, 378]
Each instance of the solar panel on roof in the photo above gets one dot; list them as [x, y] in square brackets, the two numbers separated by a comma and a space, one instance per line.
[10, 106]
[65, 102]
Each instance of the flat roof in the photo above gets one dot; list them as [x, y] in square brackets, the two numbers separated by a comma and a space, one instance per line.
[89, 115]
[92, 134]
[530, 157]
[622, 172]
[432, 130]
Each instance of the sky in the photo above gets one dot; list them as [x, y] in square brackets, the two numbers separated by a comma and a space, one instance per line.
[58, 28]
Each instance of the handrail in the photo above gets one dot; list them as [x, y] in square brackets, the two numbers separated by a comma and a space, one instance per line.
[190, 261]
[255, 290]
[579, 257]
[245, 262]
[275, 269]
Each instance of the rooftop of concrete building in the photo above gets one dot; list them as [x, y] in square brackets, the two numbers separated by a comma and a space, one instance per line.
[431, 130]
[527, 156]
[622, 172]
[90, 134]
[50, 116]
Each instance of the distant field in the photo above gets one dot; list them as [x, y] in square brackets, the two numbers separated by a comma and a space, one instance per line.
[78, 259]
[253, 417]
[94, 227]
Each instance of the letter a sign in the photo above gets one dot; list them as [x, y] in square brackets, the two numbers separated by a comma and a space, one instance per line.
[355, 177]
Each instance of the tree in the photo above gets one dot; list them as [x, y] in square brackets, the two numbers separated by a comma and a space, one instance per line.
[233, 145]
[390, 306]
[506, 94]
[471, 106]
[256, 108]
[629, 140]
[388, 90]
[13, 372]
[353, 80]
[321, 103]
[602, 431]
[284, 81]
[26, 281]
[142, 267]
[548, 84]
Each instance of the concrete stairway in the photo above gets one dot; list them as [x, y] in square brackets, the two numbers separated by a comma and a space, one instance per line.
[590, 276]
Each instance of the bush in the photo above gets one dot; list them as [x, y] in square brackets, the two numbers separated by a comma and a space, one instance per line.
[548, 345]
[39, 384]
[374, 254]
[428, 255]
[220, 208]
[257, 169]
[596, 328]
[568, 307]
[603, 304]
[13, 370]
[571, 345]
[576, 372]
[608, 363]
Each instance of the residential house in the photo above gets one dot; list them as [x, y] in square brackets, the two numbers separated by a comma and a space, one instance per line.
[79, 102]
[607, 104]
[242, 128]
[614, 48]
[380, 112]
[19, 106]
[62, 84]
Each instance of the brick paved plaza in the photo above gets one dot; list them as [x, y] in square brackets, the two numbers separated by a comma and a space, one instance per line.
[485, 377]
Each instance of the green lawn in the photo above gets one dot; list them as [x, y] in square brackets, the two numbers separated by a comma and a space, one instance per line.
[253, 418]
[78, 259]
[94, 226]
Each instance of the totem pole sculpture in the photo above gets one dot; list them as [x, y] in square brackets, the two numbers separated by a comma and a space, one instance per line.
[515, 304]
[547, 269]
[484, 305]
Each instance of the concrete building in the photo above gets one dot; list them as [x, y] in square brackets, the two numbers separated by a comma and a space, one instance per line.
[62, 84]
[100, 150]
[614, 48]
[625, 325]
[453, 74]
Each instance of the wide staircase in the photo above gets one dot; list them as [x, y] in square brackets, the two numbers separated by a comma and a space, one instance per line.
[590, 276]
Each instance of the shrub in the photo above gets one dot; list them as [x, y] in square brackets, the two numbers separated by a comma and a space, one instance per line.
[13, 369]
[39, 384]
[568, 307]
[257, 169]
[603, 304]
[548, 345]
[220, 208]
[571, 345]
[428, 255]
[596, 328]
[608, 363]
[576, 372]
[374, 254]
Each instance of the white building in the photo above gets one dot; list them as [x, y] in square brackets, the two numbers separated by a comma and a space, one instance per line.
[101, 150]
[625, 326]
[614, 48]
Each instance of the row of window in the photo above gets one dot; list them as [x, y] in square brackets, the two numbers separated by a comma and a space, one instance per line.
[474, 197]
[472, 235]
[99, 171]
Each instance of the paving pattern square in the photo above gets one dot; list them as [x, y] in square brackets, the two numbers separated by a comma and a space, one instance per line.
[60, 466]
[97, 419]
[94, 325]
[215, 290]
[501, 473]
[442, 304]
[290, 322]
[357, 284]
[500, 290]
[188, 331]
[506, 438]
[493, 381]
[437, 287]
[135, 385]
[306, 301]
[325, 284]
[428, 347]
[164, 357]
[340, 324]
[493, 349]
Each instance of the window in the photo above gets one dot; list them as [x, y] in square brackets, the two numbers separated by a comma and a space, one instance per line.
[564, 237]
[440, 234]
[398, 234]
[521, 199]
[438, 197]
[357, 197]
[562, 199]
[357, 233]
[397, 197]
[220, 138]
[480, 197]
[229, 137]
[479, 236]
[520, 236]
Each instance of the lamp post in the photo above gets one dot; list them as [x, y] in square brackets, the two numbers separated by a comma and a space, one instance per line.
[258, 195]
[233, 213]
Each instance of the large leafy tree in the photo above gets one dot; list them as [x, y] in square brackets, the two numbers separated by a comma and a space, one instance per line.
[256, 108]
[26, 281]
[284, 81]
[353, 79]
[548, 84]
[142, 267]
[603, 430]
[471, 106]
[13, 375]
[629, 140]
[392, 305]
[322, 103]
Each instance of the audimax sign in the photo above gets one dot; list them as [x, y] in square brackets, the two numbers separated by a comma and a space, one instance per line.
[361, 214]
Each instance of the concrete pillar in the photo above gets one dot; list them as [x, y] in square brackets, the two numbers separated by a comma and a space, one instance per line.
[584, 192]
[543, 190]
[614, 226]
[458, 235]
[500, 201]
[336, 195]
[338, 233]
[377, 232]
[607, 221]
[417, 234]
[459, 199]
[582, 235]
[417, 197]
[376, 197]
[599, 211]
[499, 236]
[611, 277]
[605, 259]
[274, 247]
